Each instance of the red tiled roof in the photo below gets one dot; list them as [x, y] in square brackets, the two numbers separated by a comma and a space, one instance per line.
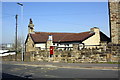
[39, 37]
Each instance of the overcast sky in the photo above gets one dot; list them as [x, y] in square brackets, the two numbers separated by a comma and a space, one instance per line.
[71, 17]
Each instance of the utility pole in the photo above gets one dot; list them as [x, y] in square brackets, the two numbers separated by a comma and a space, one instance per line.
[16, 17]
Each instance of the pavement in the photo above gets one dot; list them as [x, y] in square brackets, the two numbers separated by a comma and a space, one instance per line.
[66, 65]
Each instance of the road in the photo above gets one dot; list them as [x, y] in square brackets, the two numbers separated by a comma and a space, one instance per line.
[15, 70]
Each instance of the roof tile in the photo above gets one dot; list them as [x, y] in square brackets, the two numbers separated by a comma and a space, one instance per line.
[39, 37]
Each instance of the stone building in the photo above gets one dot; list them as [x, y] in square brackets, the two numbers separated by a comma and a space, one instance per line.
[114, 12]
[66, 41]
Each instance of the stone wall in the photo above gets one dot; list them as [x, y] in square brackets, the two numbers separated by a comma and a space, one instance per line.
[114, 9]
[17, 57]
[110, 54]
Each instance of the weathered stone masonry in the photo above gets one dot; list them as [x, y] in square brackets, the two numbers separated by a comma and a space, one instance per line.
[114, 9]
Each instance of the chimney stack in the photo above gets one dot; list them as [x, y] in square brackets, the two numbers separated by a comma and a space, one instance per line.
[95, 29]
[49, 41]
[30, 26]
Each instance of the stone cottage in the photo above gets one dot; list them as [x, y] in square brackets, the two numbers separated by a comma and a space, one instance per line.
[65, 41]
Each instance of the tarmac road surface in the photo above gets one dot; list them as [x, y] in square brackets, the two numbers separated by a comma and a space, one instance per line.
[53, 70]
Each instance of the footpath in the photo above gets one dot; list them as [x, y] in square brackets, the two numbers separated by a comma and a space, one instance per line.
[66, 65]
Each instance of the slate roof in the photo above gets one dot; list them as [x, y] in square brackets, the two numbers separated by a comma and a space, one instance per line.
[103, 37]
[42, 37]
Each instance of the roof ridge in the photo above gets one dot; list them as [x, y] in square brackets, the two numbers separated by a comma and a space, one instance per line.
[62, 32]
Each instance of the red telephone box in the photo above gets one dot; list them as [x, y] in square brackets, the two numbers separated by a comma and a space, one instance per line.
[51, 50]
